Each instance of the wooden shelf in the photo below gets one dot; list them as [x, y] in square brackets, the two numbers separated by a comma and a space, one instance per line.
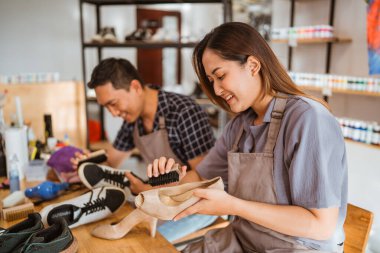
[315, 40]
[140, 44]
[362, 144]
[341, 91]
[126, 2]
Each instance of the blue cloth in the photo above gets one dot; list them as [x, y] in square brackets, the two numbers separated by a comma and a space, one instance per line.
[173, 230]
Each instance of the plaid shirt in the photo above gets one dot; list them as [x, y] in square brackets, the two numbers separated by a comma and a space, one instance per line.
[189, 130]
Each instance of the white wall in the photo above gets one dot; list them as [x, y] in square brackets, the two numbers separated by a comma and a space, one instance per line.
[40, 36]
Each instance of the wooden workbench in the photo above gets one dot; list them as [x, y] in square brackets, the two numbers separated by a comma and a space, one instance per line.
[137, 240]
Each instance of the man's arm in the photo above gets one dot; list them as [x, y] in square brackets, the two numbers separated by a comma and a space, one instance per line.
[115, 157]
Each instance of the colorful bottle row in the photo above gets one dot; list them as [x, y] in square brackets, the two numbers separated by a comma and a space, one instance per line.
[335, 81]
[303, 32]
[30, 78]
[361, 131]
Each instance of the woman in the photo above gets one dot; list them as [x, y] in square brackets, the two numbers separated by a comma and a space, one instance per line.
[282, 157]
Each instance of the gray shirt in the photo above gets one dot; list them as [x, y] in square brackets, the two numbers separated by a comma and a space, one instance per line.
[310, 167]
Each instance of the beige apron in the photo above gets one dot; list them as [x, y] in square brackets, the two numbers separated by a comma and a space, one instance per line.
[154, 145]
[250, 177]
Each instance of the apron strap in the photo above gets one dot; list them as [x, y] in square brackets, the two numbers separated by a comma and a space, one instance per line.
[275, 123]
[237, 140]
[161, 122]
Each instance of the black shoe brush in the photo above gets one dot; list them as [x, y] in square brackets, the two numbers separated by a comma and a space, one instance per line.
[171, 177]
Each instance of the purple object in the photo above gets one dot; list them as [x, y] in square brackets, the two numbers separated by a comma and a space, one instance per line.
[60, 160]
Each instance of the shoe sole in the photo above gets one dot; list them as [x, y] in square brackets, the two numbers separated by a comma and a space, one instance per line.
[73, 248]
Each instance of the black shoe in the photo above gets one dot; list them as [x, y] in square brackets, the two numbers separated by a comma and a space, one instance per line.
[92, 206]
[12, 239]
[56, 238]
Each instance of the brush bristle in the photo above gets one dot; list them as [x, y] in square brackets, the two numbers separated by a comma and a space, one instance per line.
[168, 178]
[18, 212]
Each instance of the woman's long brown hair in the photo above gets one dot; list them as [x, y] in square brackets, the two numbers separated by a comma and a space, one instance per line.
[237, 41]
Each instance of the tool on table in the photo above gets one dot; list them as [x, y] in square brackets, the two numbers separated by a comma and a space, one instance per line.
[94, 157]
[46, 190]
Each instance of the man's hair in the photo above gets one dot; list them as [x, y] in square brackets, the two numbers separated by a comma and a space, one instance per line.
[119, 72]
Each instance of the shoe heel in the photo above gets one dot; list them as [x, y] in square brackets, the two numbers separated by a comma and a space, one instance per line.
[153, 226]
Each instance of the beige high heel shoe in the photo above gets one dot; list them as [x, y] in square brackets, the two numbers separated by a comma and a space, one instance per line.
[119, 230]
[165, 203]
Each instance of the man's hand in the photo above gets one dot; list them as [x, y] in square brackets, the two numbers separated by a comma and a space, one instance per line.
[162, 166]
[213, 202]
[137, 185]
[78, 156]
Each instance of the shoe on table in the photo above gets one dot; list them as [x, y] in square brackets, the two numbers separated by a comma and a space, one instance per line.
[92, 206]
[14, 237]
[56, 238]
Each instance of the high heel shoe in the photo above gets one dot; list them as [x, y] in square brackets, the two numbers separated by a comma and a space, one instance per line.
[165, 203]
[119, 230]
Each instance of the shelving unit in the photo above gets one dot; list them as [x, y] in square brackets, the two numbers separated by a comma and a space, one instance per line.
[315, 40]
[227, 16]
[329, 41]
[341, 91]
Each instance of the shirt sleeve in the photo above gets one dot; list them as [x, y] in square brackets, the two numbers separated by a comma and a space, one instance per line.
[195, 132]
[316, 160]
[124, 138]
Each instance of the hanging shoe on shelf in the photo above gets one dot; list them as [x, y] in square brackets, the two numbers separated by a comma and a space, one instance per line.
[165, 203]
[98, 38]
[159, 35]
[109, 35]
[56, 238]
[135, 35]
[119, 230]
[92, 206]
[105, 35]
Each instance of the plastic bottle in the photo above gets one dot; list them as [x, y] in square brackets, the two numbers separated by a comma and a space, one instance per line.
[14, 178]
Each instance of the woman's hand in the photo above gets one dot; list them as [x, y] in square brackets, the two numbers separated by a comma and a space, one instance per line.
[163, 166]
[78, 156]
[213, 202]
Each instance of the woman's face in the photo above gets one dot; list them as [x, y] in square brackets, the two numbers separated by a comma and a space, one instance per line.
[239, 85]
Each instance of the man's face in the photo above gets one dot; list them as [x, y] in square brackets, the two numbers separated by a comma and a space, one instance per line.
[120, 102]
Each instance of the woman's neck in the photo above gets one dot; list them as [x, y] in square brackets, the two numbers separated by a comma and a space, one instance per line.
[260, 108]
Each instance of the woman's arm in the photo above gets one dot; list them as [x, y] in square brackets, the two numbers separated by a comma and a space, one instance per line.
[317, 224]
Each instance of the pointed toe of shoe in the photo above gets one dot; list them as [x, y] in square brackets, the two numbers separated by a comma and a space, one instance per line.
[106, 232]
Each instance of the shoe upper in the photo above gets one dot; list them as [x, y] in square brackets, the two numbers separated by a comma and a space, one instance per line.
[12, 238]
[92, 206]
[55, 238]
[93, 176]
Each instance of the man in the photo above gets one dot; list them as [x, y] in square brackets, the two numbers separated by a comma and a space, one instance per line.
[156, 122]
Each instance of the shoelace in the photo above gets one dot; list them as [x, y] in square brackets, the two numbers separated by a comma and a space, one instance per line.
[94, 206]
[115, 177]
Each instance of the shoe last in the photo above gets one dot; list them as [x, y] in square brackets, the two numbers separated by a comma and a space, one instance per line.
[165, 203]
